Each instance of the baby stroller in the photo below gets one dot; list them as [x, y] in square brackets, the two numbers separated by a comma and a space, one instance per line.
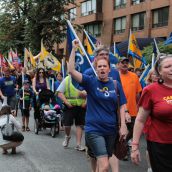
[41, 121]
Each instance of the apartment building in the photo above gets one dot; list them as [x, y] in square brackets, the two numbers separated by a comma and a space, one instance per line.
[111, 20]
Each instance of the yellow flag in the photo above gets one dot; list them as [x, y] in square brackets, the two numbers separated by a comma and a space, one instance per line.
[32, 60]
[9, 64]
[89, 48]
[134, 51]
[44, 52]
[52, 62]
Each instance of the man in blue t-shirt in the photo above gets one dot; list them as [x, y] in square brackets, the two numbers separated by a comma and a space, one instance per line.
[7, 88]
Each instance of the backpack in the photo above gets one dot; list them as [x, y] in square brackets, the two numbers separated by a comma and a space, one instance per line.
[7, 130]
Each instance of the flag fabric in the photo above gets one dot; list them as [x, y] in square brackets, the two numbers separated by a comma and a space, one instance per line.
[117, 53]
[32, 60]
[49, 60]
[27, 62]
[89, 46]
[52, 62]
[44, 52]
[113, 59]
[144, 75]
[3, 62]
[134, 51]
[169, 40]
[81, 63]
[13, 56]
[9, 64]
[94, 40]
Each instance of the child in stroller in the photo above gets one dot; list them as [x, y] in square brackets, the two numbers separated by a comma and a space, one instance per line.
[50, 111]
[47, 115]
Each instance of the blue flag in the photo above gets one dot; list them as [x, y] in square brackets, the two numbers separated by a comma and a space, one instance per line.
[81, 62]
[94, 40]
[144, 76]
[169, 40]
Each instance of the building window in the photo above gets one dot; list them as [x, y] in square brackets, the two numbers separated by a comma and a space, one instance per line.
[120, 24]
[119, 4]
[134, 2]
[138, 21]
[72, 13]
[94, 29]
[88, 7]
[160, 17]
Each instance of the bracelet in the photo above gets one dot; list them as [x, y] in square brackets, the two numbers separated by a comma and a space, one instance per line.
[132, 151]
[134, 143]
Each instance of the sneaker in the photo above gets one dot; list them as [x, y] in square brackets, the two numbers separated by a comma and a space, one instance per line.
[80, 148]
[149, 170]
[66, 141]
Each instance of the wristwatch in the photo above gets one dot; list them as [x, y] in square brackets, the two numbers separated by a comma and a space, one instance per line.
[126, 111]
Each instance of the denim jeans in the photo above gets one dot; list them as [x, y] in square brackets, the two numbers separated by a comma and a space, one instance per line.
[99, 145]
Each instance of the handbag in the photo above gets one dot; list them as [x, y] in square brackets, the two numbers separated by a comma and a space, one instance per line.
[7, 129]
[9, 134]
[120, 146]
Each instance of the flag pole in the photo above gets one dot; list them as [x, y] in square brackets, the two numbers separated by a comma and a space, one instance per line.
[114, 48]
[23, 81]
[153, 60]
[144, 72]
[63, 63]
[89, 39]
[157, 49]
[81, 46]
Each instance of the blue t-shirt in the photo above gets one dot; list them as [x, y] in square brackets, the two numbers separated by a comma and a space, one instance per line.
[113, 74]
[101, 116]
[7, 86]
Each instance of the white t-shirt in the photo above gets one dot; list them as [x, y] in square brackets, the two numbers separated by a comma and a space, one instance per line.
[3, 121]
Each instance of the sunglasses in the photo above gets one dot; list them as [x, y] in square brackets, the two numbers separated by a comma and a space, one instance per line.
[161, 56]
[41, 72]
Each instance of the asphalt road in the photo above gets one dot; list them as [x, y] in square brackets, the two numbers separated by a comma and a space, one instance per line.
[42, 153]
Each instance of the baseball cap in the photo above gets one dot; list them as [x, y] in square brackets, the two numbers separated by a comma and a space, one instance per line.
[26, 82]
[123, 59]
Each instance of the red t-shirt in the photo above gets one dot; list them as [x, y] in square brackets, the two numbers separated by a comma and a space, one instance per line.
[158, 99]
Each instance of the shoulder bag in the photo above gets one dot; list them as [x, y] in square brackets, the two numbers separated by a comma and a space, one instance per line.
[9, 134]
[120, 147]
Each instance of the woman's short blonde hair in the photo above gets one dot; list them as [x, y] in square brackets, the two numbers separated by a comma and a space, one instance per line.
[99, 49]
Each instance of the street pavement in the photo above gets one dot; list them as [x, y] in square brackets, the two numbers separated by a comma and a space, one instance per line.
[42, 153]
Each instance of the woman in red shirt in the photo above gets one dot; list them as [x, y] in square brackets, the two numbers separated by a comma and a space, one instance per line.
[156, 102]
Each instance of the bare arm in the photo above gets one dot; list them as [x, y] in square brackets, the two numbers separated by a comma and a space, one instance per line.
[138, 128]
[48, 85]
[123, 128]
[34, 85]
[63, 98]
[71, 67]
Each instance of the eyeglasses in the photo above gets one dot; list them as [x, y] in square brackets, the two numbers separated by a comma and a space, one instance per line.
[41, 72]
[163, 55]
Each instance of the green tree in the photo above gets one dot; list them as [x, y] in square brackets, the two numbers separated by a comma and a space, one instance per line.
[23, 23]
[147, 51]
